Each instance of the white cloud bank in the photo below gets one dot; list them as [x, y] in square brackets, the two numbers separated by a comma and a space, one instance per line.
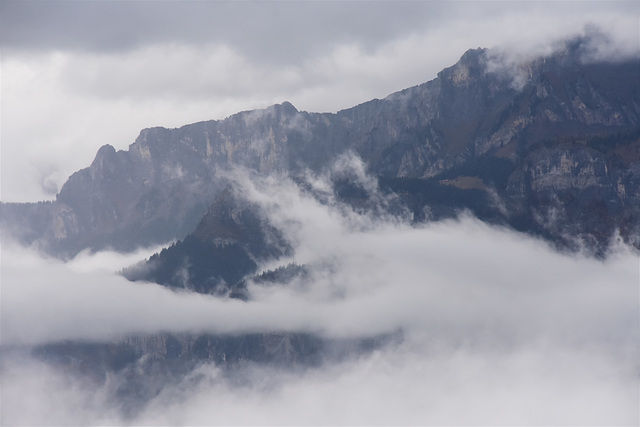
[498, 328]
[528, 385]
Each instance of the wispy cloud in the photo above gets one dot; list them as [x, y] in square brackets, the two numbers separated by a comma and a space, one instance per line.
[498, 327]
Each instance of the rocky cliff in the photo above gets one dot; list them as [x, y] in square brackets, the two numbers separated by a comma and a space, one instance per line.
[542, 140]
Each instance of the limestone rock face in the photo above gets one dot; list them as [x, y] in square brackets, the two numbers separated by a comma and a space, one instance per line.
[563, 168]
[553, 124]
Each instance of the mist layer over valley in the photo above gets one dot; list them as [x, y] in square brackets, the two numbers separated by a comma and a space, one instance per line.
[464, 251]
[468, 323]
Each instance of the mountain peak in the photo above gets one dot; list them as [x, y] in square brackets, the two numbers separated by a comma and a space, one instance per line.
[286, 108]
[473, 55]
[469, 67]
[465, 119]
[105, 150]
[105, 156]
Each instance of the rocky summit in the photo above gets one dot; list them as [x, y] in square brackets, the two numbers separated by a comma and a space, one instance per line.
[549, 146]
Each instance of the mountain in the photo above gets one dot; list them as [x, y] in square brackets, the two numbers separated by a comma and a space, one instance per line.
[549, 147]
[228, 243]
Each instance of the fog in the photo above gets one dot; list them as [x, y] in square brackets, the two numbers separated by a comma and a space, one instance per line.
[496, 327]
[420, 385]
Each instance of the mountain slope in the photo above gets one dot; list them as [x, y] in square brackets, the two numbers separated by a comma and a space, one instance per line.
[562, 131]
[228, 243]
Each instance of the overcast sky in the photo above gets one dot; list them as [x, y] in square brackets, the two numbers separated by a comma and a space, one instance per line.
[78, 75]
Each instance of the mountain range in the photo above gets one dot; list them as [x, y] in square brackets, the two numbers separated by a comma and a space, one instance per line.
[549, 147]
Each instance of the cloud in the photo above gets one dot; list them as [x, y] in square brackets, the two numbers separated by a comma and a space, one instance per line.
[304, 28]
[413, 384]
[107, 261]
[406, 387]
[497, 327]
[455, 280]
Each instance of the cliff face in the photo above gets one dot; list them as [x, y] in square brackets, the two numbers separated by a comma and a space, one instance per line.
[587, 188]
[553, 125]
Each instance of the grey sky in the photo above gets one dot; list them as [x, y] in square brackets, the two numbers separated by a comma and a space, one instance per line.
[78, 75]
[283, 31]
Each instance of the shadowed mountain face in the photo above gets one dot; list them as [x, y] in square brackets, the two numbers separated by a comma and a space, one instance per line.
[550, 147]
[228, 243]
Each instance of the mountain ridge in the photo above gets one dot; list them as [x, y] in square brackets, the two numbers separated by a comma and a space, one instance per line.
[159, 189]
[550, 148]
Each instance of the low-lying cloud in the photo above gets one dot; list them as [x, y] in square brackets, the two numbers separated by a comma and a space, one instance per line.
[497, 327]
[406, 385]
[458, 279]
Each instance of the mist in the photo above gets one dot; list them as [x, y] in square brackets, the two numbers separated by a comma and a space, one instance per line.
[495, 327]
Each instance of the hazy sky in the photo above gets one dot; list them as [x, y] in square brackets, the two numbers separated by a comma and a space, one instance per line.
[77, 75]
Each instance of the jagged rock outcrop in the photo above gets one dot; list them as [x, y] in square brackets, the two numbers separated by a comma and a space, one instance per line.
[484, 109]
